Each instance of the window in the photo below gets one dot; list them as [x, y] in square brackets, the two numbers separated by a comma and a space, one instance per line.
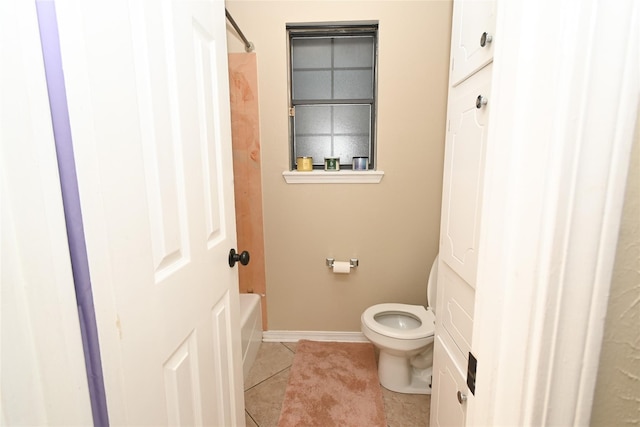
[332, 91]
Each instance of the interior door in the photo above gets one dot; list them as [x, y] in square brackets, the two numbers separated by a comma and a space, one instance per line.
[42, 376]
[148, 97]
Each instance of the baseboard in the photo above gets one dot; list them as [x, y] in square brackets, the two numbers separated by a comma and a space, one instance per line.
[293, 336]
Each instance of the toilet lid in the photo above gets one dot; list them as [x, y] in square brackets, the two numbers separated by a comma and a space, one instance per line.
[425, 316]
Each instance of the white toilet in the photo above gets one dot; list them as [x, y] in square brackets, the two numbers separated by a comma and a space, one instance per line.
[404, 335]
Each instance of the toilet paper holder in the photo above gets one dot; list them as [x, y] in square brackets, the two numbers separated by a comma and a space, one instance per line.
[353, 262]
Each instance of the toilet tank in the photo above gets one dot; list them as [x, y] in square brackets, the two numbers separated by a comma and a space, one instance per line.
[432, 285]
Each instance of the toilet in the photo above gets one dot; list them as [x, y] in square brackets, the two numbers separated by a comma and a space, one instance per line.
[403, 334]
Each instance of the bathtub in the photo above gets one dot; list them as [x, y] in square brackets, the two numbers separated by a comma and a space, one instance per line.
[251, 332]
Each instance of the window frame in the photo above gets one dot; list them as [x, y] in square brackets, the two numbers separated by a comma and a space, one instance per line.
[324, 30]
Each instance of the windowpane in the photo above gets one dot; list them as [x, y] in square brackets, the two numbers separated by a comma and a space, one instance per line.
[311, 53]
[332, 68]
[353, 52]
[316, 146]
[332, 119]
[353, 84]
[350, 146]
[311, 85]
[312, 119]
[342, 131]
[352, 119]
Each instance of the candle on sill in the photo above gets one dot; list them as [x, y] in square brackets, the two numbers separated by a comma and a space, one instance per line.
[304, 164]
[332, 163]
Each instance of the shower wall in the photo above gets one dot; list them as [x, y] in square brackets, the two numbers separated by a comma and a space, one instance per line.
[245, 128]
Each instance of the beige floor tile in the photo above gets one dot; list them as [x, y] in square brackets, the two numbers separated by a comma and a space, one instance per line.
[406, 410]
[249, 421]
[291, 345]
[264, 401]
[271, 359]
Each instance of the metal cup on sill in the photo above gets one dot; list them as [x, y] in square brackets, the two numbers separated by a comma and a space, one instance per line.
[360, 163]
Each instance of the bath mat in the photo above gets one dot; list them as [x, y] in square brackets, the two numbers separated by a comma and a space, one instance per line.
[333, 384]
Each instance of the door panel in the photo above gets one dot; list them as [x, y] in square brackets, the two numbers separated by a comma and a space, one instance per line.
[455, 313]
[149, 108]
[463, 175]
[446, 410]
[182, 386]
[470, 20]
[162, 151]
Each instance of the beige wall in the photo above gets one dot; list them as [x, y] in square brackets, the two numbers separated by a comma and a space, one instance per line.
[391, 227]
[618, 384]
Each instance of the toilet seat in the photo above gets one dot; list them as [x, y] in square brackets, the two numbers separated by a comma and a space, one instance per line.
[426, 317]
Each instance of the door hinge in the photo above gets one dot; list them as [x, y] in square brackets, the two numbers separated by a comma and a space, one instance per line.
[292, 112]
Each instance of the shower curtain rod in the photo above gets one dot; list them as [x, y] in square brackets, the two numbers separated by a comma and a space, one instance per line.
[248, 46]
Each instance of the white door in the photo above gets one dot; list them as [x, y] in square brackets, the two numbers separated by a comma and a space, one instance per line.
[147, 88]
[42, 375]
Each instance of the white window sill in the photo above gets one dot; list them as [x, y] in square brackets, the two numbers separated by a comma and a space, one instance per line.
[333, 177]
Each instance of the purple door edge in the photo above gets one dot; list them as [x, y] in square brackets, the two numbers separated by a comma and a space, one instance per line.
[49, 39]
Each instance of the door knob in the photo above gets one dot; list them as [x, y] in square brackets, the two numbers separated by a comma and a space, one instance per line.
[234, 257]
[461, 397]
[485, 38]
[481, 101]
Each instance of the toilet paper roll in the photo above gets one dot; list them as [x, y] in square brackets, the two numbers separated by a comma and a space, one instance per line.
[342, 267]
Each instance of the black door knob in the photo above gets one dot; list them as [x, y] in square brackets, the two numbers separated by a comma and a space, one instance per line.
[234, 257]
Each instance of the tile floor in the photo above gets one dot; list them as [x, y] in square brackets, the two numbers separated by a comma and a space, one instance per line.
[265, 385]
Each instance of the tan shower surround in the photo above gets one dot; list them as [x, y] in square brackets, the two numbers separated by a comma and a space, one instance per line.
[245, 128]
[391, 227]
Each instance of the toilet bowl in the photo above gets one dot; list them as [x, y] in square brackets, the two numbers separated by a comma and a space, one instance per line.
[404, 334]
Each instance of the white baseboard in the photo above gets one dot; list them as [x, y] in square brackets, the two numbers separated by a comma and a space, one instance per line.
[293, 336]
